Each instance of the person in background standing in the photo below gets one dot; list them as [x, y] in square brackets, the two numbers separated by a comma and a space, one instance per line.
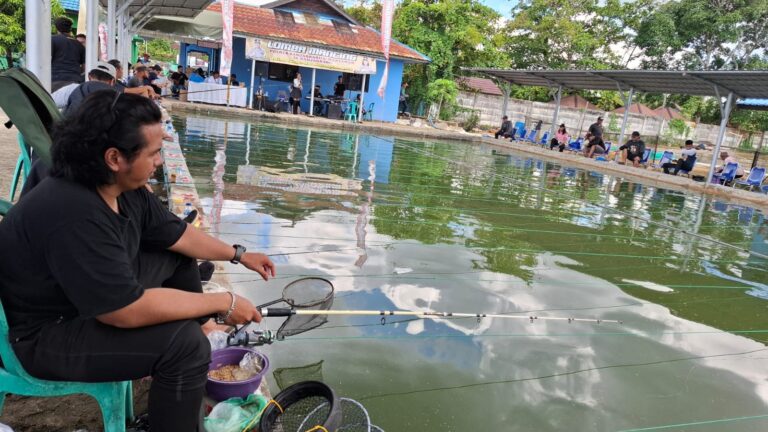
[339, 88]
[144, 59]
[596, 129]
[403, 105]
[296, 92]
[67, 56]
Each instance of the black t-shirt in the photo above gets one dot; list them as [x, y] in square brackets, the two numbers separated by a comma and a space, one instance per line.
[636, 148]
[596, 130]
[66, 254]
[339, 89]
[67, 55]
[83, 90]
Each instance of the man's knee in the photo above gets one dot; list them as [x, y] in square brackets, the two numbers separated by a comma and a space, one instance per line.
[186, 357]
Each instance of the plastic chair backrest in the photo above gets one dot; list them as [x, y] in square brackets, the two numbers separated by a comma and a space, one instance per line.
[10, 362]
[519, 126]
[544, 138]
[351, 111]
[646, 155]
[756, 176]
[531, 135]
[607, 145]
[666, 157]
[4, 207]
[729, 172]
[521, 135]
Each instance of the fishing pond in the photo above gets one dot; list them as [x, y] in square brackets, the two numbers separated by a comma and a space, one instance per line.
[405, 224]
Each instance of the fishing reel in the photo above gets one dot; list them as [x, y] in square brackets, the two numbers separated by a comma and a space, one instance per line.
[251, 337]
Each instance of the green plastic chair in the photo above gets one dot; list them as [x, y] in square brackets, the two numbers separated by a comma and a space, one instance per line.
[23, 168]
[4, 207]
[351, 113]
[115, 398]
[369, 112]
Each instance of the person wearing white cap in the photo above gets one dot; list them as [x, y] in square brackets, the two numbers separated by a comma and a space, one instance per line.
[101, 77]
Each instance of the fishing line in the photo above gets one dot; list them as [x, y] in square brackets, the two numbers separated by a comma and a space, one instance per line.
[560, 374]
[697, 423]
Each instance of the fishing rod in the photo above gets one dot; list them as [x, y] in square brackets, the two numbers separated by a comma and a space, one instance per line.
[287, 312]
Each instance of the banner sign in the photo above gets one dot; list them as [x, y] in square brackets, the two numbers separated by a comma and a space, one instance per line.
[307, 56]
[227, 16]
[387, 13]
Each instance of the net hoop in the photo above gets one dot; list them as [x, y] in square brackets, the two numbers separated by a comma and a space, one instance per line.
[290, 299]
[295, 393]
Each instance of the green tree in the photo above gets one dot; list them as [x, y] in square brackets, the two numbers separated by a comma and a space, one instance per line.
[366, 12]
[161, 49]
[453, 34]
[443, 92]
[705, 34]
[567, 34]
[12, 31]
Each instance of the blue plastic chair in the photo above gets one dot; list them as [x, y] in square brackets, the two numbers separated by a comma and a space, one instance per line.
[666, 157]
[692, 161]
[728, 174]
[531, 138]
[351, 112]
[519, 134]
[369, 112]
[544, 139]
[23, 168]
[755, 178]
[575, 146]
[607, 145]
[115, 398]
[646, 155]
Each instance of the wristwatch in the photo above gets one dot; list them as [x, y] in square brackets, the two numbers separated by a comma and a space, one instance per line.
[239, 251]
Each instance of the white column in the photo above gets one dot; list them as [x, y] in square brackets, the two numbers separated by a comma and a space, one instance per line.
[362, 101]
[312, 95]
[120, 32]
[558, 98]
[724, 114]
[627, 106]
[253, 87]
[37, 19]
[111, 28]
[92, 35]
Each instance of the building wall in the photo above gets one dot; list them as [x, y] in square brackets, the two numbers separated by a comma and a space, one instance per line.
[385, 109]
[577, 121]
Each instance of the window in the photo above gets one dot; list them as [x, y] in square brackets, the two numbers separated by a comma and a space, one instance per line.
[282, 72]
[342, 27]
[353, 82]
[311, 19]
[284, 17]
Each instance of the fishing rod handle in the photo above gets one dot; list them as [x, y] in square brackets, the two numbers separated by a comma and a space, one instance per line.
[277, 312]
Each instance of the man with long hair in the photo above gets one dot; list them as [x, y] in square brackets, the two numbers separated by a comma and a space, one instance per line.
[99, 281]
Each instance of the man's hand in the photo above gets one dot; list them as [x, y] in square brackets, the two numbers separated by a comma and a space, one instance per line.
[244, 312]
[259, 263]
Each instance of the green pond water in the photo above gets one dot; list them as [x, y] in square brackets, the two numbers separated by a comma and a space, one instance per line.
[398, 223]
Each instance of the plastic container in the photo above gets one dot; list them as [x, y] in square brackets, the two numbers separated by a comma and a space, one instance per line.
[223, 390]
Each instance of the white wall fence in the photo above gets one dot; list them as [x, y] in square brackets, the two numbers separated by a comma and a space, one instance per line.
[577, 121]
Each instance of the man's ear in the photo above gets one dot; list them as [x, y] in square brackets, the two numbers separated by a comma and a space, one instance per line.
[112, 158]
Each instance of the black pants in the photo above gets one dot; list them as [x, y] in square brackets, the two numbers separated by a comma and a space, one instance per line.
[676, 166]
[175, 354]
[501, 133]
[554, 143]
[296, 106]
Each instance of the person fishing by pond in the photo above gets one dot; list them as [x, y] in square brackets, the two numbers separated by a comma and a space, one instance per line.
[505, 130]
[594, 145]
[633, 150]
[99, 281]
[685, 163]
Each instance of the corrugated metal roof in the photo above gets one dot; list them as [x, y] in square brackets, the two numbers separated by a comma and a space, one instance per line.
[753, 104]
[173, 8]
[701, 83]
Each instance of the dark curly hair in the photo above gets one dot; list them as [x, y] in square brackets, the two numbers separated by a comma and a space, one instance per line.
[104, 120]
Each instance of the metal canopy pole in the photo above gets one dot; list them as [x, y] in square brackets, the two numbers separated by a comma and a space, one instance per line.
[253, 85]
[312, 95]
[627, 106]
[92, 35]
[362, 98]
[37, 19]
[724, 114]
[111, 6]
[558, 98]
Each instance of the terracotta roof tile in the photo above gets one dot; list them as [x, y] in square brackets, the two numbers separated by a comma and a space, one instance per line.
[261, 22]
[637, 108]
[481, 85]
[668, 113]
[576, 101]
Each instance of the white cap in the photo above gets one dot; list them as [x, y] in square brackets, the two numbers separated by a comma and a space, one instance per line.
[106, 68]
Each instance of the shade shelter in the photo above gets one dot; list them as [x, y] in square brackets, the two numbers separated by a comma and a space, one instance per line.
[722, 84]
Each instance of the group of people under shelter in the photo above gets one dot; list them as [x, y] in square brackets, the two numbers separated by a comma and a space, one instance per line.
[99, 280]
[631, 152]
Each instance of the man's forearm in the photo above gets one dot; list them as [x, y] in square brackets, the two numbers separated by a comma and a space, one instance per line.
[160, 305]
[197, 244]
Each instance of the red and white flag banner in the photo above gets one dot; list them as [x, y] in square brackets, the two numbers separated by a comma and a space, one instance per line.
[227, 16]
[387, 12]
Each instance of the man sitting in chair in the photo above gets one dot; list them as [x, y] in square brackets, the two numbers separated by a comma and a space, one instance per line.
[685, 163]
[506, 128]
[633, 150]
[594, 145]
[99, 281]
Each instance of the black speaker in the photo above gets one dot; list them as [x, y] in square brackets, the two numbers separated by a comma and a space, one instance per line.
[334, 111]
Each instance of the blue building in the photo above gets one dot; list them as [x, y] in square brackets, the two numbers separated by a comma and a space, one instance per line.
[306, 36]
